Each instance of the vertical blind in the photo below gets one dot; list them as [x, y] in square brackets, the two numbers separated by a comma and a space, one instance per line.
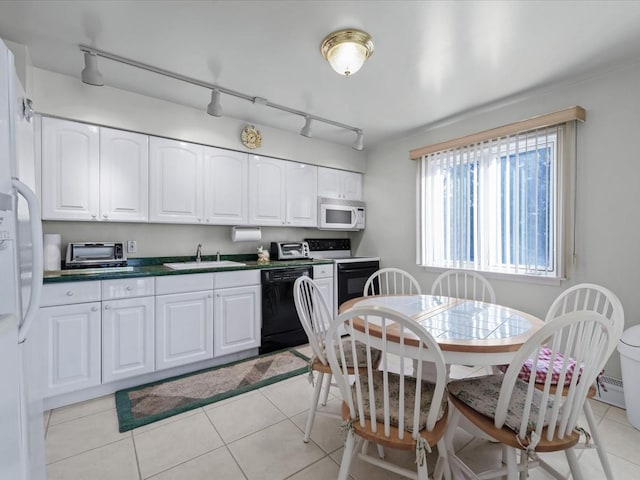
[494, 205]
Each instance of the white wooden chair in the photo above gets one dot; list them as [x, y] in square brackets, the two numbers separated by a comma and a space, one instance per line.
[391, 281]
[385, 405]
[463, 284]
[587, 297]
[315, 318]
[535, 418]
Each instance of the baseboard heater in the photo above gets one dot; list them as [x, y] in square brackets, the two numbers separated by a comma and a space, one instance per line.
[610, 391]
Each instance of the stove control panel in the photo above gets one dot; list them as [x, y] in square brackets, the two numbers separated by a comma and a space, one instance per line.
[322, 244]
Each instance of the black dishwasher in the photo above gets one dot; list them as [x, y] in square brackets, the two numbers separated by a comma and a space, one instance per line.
[281, 327]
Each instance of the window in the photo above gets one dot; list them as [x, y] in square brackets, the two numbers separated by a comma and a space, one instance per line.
[497, 204]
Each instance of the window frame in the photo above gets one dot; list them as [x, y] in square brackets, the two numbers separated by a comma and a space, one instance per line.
[563, 198]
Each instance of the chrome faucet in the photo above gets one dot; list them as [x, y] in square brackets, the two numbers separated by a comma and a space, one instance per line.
[218, 256]
[199, 253]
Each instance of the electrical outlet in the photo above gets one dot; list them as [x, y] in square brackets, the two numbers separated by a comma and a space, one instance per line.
[132, 246]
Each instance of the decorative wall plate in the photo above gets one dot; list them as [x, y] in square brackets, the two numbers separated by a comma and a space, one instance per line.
[251, 137]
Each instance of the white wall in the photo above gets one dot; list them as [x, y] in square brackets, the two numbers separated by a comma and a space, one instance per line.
[608, 192]
[67, 97]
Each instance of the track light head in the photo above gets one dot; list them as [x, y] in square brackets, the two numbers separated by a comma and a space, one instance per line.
[359, 143]
[306, 130]
[214, 109]
[91, 75]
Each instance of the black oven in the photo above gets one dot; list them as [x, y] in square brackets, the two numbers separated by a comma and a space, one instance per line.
[352, 275]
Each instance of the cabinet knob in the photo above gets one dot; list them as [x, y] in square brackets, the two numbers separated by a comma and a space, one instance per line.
[93, 216]
[94, 309]
[69, 293]
[107, 307]
[211, 296]
[105, 216]
[129, 288]
[199, 219]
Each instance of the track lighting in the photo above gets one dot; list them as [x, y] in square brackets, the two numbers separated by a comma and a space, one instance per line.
[91, 74]
[306, 130]
[359, 143]
[214, 109]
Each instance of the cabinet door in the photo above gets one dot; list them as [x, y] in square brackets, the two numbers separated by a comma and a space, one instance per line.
[124, 176]
[267, 191]
[70, 170]
[226, 191]
[325, 285]
[184, 328]
[351, 186]
[71, 343]
[236, 319]
[329, 183]
[175, 181]
[127, 338]
[302, 196]
[335, 183]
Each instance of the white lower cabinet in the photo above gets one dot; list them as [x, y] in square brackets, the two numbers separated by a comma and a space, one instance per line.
[67, 332]
[237, 312]
[127, 338]
[184, 328]
[128, 327]
[70, 338]
[184, 319]
[323, 277]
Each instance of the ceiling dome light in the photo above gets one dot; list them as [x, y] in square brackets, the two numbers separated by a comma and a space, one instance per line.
[347, 50]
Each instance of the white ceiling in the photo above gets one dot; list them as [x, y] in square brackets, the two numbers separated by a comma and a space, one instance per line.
[432, 59]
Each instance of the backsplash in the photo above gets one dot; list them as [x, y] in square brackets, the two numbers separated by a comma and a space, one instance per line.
[156, 240]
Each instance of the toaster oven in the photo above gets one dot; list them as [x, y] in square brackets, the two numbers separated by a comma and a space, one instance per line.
[95, 254]
[289, 250]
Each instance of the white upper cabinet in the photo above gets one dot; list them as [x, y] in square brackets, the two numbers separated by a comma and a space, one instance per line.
[267, 189]
[302, 198]
[175, 183]
[334, 183]
[226, 187]
[93, 173]
[124, 176]
[70, 170]
[282, 193]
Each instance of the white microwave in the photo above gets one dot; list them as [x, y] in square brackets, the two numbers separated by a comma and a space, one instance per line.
[336, 214]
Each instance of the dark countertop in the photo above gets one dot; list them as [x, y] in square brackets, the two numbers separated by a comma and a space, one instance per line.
[153, 267]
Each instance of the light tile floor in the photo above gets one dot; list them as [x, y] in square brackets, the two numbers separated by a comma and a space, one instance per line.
[258, 435]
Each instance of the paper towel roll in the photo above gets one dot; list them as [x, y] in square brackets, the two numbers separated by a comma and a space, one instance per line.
[52, 256]
[246, 234]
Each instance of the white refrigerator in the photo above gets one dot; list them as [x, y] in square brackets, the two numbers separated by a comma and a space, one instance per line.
[21, 415]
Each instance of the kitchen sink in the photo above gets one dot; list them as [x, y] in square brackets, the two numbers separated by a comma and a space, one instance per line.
[212, 264]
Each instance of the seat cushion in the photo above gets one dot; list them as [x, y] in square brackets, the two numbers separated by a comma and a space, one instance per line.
[426, 397]
[544, 366]
[481, 394]
[361, 353]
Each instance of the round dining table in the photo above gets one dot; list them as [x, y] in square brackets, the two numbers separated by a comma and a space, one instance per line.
[468, 332]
